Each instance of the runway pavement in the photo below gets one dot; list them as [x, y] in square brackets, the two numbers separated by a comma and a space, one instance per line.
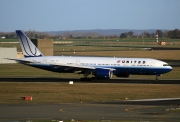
[90, 111]
[123, 80]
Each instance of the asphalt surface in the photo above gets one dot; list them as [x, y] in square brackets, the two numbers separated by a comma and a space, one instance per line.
[158, 110]
[123, 80]
[87, 111]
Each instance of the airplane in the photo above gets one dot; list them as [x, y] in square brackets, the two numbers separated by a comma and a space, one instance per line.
[100, 67]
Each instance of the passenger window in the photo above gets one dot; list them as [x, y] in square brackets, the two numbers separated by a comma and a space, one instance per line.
[165, 64]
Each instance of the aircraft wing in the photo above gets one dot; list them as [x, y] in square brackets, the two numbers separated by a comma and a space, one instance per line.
[19, 60]
[79, 67]
[73, 66]
[23, 61]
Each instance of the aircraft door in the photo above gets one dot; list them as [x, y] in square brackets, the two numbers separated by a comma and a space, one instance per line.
[44, 61]
[152, 65]
[77, 62]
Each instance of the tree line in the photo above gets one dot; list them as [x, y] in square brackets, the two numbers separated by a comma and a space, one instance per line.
[31, 34]
[173, 34]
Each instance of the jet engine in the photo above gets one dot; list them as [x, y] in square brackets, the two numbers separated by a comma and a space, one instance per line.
[103, 73]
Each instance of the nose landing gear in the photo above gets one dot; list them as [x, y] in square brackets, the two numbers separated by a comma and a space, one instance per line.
[157, 77]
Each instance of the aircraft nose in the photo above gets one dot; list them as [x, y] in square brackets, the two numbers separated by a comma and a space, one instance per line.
[170, 68]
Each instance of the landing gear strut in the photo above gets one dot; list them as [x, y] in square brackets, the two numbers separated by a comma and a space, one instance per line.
[157, 77]
[85, 78]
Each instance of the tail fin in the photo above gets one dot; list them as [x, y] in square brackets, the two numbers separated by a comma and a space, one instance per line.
[28, 48]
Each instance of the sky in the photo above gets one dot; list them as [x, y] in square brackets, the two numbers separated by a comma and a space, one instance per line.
[63, 15]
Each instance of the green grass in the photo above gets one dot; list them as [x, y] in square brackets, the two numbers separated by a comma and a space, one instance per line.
[121, 40]
[19, 70]
[9, 40]
[50, 92]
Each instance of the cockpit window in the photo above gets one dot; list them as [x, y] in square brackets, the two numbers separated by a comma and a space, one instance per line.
[165, 65]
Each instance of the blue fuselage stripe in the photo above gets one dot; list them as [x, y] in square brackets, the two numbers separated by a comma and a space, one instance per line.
[118, 70]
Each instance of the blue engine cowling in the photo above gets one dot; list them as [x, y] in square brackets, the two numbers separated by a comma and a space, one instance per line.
[103, 73]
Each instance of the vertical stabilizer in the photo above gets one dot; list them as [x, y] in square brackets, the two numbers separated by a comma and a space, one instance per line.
[28, 48]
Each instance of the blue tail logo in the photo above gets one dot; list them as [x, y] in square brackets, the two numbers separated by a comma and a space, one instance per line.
[28, 48]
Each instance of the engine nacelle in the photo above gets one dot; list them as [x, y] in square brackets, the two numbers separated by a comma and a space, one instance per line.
[123, 75]
[103, 73]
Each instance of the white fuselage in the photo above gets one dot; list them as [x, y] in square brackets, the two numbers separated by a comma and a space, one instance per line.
[119, 66]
